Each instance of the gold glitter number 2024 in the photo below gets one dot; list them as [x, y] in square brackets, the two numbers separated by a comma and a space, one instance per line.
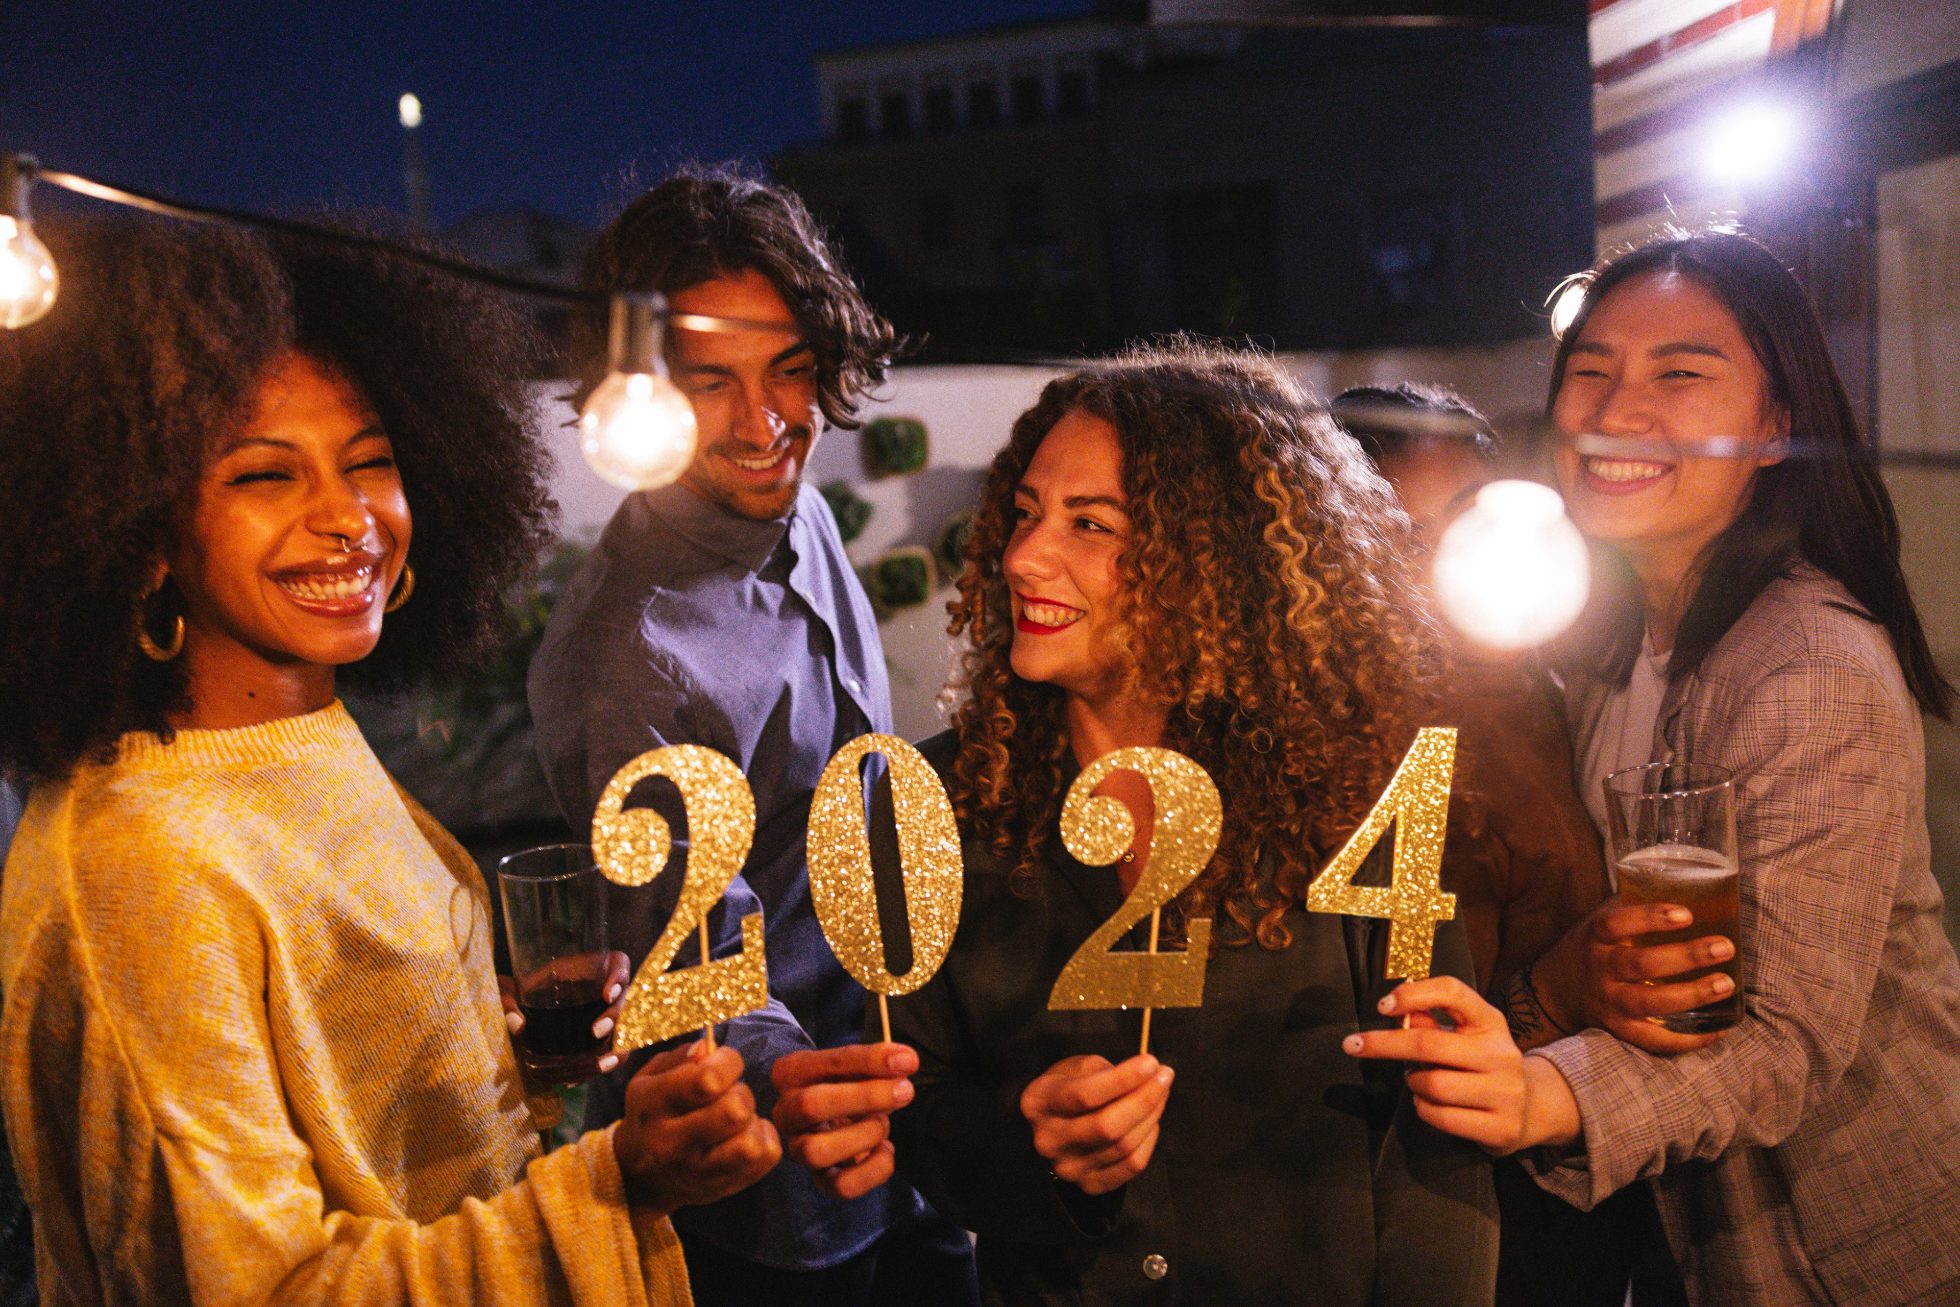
[632, 846]
[1417, 800]
[1098, 830]
[842, 889]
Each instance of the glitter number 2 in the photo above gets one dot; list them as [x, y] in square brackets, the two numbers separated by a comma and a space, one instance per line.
[1097, 830]
[632, 846]
[1417, 801]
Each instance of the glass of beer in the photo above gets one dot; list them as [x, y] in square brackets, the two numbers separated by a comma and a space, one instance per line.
[555, 921]
[1671, 839]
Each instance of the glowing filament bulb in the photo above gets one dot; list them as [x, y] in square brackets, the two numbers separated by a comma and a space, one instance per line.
[1512, 571]
[28, 281]
[637, 431]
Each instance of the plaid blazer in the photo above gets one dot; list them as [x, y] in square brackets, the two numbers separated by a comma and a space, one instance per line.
[1812, 1155]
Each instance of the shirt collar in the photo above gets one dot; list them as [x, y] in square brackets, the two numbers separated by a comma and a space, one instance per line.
[741, 540]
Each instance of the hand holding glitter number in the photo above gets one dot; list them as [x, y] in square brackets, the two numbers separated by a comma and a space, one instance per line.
[632, 846]
[842, 888]
[1417, 800]
[1098, 830]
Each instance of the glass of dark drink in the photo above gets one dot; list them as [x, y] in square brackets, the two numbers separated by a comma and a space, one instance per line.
[1671, 839]
[555, 921]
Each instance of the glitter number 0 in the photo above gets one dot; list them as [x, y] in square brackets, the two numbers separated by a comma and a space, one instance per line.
[1097, 830]
[632, 847]
[1417, 800]
[841, 885]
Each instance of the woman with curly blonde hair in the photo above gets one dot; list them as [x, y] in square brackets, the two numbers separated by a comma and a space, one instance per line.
[1178, 550]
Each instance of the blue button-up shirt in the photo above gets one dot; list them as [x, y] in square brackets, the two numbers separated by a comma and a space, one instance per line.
[691, 625]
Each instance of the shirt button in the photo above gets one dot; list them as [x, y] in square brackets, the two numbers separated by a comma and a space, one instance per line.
[854, 685]
[1155, 1267]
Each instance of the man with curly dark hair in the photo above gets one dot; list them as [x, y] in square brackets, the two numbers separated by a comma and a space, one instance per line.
[252, 1048]
[722, 611]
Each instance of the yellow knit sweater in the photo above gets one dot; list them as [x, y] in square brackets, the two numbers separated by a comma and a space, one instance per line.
[252, 1052]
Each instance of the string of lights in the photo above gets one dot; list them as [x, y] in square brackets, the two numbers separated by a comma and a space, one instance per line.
[637, 430]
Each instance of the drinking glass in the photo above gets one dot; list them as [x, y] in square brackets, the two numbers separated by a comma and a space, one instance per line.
[1671, 839]
[555, 921]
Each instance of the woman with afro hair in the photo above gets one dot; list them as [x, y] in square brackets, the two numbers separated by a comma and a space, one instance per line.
[252, 1047]
[1177, 550]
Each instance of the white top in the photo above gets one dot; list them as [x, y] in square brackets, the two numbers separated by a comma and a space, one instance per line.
[1622, 735]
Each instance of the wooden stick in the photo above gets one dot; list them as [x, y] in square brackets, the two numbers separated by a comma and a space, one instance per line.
[708, 1032]
[885, 1016]
[1156, 914]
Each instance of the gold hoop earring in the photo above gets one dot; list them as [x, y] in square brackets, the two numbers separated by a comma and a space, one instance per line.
[403, 589]
[155, 652]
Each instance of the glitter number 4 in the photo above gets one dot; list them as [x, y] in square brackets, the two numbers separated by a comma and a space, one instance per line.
[1097, 830]
[632, 846]
[1417, 801]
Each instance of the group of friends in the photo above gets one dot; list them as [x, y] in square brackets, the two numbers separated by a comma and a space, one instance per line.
[252, 1043]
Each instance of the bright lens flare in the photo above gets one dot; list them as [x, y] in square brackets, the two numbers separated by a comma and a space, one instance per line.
[637, 431]
[1749, 143]
[28, 281]
[1512, 571]
[1565, 304]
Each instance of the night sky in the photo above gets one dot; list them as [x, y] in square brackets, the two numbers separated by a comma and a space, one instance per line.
[554, 106]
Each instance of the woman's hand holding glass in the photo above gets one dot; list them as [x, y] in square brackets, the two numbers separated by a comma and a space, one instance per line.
[1600, 975]
[619, 968]
[1096, 1123]
[1470, 1080]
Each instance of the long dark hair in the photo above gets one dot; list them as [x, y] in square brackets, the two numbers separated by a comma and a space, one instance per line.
[1825, 505]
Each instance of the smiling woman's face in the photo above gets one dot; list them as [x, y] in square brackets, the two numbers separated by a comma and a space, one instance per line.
[298, 536]
[1070, 526]
[1662, 360]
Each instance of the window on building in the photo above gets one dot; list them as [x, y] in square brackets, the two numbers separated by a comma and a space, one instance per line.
[1072, 91]
[1414, 253]
[1221, 248]
[1030, 98]
[895, 115]
[854, 118]
[941, 117]
[1027, 212]
[935, 221]
[982, 104]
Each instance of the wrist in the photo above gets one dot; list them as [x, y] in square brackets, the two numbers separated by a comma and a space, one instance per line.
[643, 1203]
[1551, 1112]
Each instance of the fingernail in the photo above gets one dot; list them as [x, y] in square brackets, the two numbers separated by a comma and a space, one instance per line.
[896, 1063]
[602, 1027]
[1387, 1004]
[1165, 1075]
[902, 1092]
[515, 1020]
[1721, 949]
[612, 994]
[1723, 985]
[608, 1062]
[1679, 916]
[1352, 1044]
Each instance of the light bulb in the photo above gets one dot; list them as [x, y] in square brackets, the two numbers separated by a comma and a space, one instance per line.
[1749, 143]
[1566, 299]
[637, 431]
[410, 109]
[28, 281]
[1512, 571]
